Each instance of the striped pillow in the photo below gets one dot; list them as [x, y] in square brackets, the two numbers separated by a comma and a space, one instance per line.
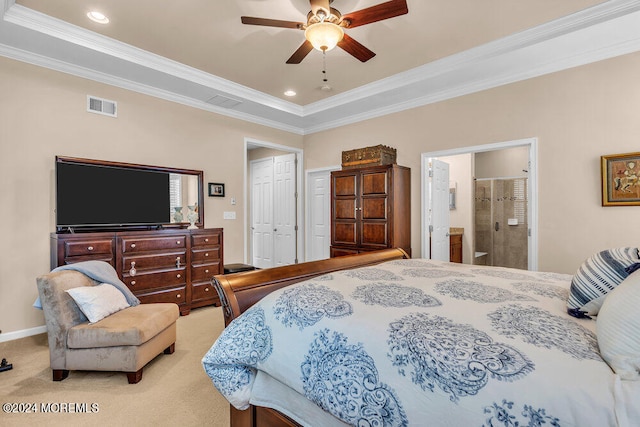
[596, 277]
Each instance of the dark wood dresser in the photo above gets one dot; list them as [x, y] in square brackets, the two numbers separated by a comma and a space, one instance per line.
[157, 265]
[370, 209]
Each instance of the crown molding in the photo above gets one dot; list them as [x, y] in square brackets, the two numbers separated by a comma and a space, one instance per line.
[89, 74]
[548, 31]
[603, 31]
[535, 60]
[45, 24]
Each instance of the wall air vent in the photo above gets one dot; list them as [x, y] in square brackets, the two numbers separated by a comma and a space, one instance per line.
[102, 106]
[223, 101]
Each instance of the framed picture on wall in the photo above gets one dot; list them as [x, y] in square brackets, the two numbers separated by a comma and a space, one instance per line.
[216, 189]
[621, 179]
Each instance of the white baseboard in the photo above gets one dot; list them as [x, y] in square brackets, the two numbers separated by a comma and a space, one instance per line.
[10, 336]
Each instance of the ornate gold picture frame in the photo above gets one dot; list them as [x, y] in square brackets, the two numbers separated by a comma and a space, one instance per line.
[621, 179]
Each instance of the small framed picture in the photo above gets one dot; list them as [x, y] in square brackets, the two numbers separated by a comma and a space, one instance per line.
[216, 189]
[621, 180]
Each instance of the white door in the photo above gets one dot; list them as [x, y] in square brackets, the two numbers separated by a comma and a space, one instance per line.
[319, 215]
[284, 210]
[262, 213]
[439, 205]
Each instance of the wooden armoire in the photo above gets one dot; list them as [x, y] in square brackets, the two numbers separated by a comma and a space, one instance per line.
[370, 209]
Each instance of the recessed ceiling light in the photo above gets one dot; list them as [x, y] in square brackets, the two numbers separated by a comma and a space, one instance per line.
[98, 17]
[290, 93]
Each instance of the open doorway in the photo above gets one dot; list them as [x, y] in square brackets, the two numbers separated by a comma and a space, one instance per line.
[518, 217]
[280, 155]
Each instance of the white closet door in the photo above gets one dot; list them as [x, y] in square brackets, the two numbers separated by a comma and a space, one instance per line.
[284, 210]
[440, 210]
[319, 219]
[262, 213]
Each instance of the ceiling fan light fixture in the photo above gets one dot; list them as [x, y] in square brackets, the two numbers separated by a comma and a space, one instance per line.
[324, 35]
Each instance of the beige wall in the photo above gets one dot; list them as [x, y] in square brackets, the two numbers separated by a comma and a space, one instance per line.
[43, 114]
[577, 116]
[506, 163]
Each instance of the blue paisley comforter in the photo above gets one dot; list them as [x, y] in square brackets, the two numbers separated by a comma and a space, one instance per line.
[420, 342]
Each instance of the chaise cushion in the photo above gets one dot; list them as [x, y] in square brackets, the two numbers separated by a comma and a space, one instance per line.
[131, 326]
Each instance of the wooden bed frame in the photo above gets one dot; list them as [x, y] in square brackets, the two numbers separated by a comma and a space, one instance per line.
[240, 291]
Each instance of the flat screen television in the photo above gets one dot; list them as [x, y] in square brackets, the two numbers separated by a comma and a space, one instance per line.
[96, 195]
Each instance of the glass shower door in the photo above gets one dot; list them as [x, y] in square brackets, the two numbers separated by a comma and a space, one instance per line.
[501, 222]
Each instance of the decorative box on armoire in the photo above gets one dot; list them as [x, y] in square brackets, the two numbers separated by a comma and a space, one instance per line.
[370, 209]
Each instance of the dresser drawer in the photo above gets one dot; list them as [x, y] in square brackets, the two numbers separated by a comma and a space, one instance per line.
[204, 272]
[205, 255]
[203, 291]
[145, 244]
[177, 295]
[154, 261]
[88, 247]
[205, 240]
[97, 257]
[162, 279]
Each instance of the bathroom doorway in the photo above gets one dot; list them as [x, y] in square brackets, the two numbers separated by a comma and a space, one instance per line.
[511, 179]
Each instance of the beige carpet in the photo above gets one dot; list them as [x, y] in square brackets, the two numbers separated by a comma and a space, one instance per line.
[174, 389]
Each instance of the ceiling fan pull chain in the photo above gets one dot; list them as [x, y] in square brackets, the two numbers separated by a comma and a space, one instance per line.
[324, 67]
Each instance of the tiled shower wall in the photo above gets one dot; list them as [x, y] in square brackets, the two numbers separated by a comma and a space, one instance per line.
[499, 202]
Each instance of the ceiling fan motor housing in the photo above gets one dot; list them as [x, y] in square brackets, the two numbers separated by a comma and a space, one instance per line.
[322, 14]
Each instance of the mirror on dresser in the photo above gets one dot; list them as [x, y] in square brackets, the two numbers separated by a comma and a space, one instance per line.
[98, 194]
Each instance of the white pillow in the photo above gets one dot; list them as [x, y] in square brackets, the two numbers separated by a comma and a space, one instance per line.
[97, 302]
[618, 328]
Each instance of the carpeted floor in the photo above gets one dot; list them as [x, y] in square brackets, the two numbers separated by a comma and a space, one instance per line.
[174, 389]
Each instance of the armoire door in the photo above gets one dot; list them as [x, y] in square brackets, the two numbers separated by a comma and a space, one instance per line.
[344, 209]
[373, 209]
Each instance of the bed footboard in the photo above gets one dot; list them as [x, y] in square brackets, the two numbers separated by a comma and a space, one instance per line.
[239, 291]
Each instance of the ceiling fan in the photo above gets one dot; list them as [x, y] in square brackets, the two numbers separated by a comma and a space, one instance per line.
[325, 26]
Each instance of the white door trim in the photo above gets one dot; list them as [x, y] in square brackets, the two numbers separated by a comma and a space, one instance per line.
[307, 202]
[299, 188]
[532, 143]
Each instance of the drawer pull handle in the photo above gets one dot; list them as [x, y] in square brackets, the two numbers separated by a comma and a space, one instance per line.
[133, 245]
[206, 254]
[178, 296]
[206, 289]
[178, 242]
[133, 282]
[206, 271]
[177, 262]
[206, 240]
[90, 248]
[178, 276]
[133, 270]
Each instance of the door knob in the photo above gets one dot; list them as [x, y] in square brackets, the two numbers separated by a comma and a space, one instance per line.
[497, 227]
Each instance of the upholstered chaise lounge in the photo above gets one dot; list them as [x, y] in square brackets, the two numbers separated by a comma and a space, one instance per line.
[124, 341]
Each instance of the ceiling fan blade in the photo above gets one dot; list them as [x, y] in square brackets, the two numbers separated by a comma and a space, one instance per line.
[301, 53]
[376, 13]
[271, 22]
[359, 51]
[320, 4]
